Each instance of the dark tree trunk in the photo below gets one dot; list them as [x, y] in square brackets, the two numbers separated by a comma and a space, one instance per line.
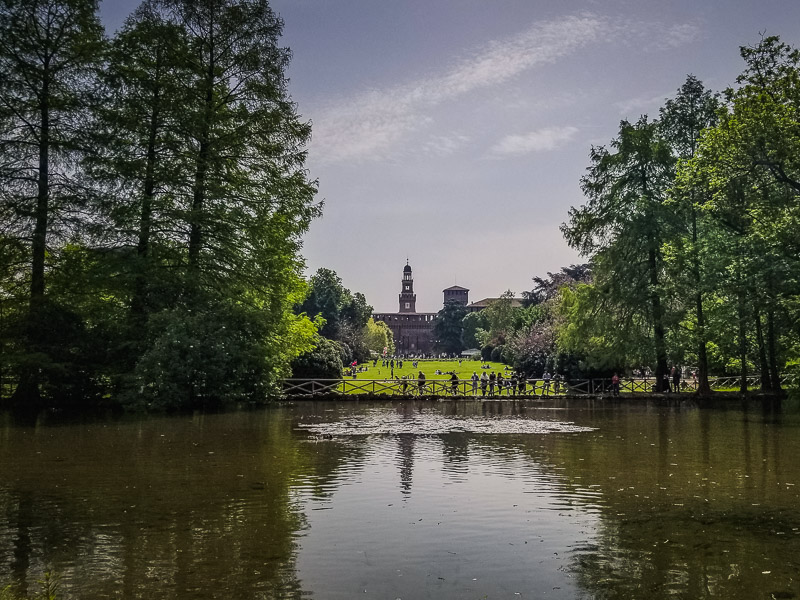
[139, 307]
[766, 384]
[703, 386]
[742, 341]
[201, 171]
[775, 376]
[27, 394]
[658, 324]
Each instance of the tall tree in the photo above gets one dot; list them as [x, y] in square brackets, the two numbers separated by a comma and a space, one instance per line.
[623, 223]
[448, 327]
[248, 197]
[139, 158]
[683, 120]
[49, 52]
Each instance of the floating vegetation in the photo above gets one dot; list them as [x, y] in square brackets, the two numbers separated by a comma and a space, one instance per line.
[387, 423]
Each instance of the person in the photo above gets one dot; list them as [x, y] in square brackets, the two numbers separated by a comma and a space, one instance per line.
[474, 383]
[421, 382]
[484, 382]
[676, 379]
[500, 384]
[454, 383]
[514, 383]
[615, 385]
[523, 383]
[546, 382]
[491, 384]
[557, 383]
[666, 382]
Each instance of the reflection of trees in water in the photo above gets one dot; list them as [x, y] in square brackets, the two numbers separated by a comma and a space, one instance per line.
[455, 447]
[168, 508]
[697, 524]
[690, 503]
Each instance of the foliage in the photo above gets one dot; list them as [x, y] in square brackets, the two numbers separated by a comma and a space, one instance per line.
[499, 318]
[214, 353]
[471, 324]
[448, 327]
[153, 200]
[345, 316]
[623, 226]
[378, 336]
[323, 362]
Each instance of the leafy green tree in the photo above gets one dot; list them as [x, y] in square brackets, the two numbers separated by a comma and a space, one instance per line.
[219, 353]
[323, 362]
[378, 336]
[622, 226]
[49, 54]
[499, 317]
[471, 324]
[139, 164]
[248, 198]
[683, 119]
[448, 327]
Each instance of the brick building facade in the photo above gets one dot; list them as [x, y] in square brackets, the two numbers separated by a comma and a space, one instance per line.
[413, 331]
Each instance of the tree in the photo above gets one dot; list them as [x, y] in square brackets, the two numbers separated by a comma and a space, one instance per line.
[471, 324]
[248, 198]
[139, 159]
[342, 310]
[448, 327]
[378, 336]
[49, 53]
[683, 119]
[622, 226]
[499, 318]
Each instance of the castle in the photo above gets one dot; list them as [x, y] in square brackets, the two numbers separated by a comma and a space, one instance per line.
[413, 331]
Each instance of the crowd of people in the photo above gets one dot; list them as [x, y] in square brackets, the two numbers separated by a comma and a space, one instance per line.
[494, 384]
[513, 383]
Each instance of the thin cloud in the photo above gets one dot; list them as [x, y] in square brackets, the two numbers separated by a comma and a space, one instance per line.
[548, 138]
[634, 107]
[444, 145]
[369, 125]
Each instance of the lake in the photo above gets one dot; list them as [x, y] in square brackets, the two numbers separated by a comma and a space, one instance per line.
[411, 500]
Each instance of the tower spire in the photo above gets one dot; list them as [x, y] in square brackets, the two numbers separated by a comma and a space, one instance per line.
[408, 299]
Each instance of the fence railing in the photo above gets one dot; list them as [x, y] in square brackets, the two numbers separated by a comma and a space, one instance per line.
[526, 388]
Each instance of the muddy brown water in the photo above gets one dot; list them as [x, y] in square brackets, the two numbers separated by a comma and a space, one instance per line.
[411, 500]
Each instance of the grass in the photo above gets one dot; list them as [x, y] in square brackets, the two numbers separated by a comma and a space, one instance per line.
[429, 367]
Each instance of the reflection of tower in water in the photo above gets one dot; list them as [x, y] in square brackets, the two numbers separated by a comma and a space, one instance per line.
[405, 455]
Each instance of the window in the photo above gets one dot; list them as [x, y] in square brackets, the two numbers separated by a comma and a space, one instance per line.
[408, 304]
[406, 287]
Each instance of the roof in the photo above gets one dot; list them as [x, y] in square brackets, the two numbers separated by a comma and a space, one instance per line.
[407, 268]
[455, 288]
[515, 303]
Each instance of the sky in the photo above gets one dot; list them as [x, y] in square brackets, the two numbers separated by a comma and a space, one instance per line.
[454, 133]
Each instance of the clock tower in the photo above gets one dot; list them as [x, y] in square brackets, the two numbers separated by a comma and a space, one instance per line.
[408, 299]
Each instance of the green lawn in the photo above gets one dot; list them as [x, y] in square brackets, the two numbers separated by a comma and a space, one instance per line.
[429, 367]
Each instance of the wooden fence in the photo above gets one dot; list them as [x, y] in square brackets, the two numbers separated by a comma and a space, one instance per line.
[465, 388]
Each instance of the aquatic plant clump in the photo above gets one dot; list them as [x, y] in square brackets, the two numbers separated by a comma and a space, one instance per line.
[382, 423]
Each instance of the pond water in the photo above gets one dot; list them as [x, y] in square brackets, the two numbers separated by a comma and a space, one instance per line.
[411, 500]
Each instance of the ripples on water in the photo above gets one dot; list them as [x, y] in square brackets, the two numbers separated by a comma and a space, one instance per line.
[409, 500]
[429, 422]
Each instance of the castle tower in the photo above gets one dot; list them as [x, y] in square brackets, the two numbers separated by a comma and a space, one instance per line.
[457, 294]
[408, 299]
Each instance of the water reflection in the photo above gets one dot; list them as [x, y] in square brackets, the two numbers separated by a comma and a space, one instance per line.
[634, 502]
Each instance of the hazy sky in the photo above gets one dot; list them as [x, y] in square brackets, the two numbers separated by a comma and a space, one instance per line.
[455, 132]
